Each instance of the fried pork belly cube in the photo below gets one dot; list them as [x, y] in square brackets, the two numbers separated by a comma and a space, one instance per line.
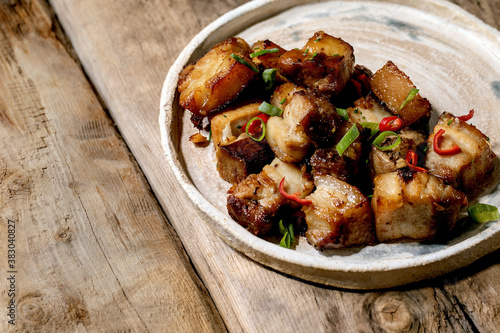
[282, 95]
[467, 170]
[325, 63]
[367, 109]
[414, 207]
[345, 167]
[392, 86]
[231, 123]
[267, 60]
[256, 203]
[236, 159]
[383, 161]
[339, 216]
[307, 120]
[215, 79]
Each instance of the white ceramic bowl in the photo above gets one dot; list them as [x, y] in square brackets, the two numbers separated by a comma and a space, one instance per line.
[450, 55]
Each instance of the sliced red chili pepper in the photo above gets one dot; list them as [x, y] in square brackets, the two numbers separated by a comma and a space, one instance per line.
[293, 197]
[467, 116]
[449, 151]
[357, 86]
[392, 124]
[255, 125]
[412, 160]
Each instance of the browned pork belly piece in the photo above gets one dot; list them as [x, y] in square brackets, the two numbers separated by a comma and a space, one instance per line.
[236, 159]
[467, 170]
[339, 216]
[392, 86]
[232, 121]
[325, 63]
[282, 95]
[345, 167]
[267, 60]
[256, 203]
[414, 206]
[383, 161]
[215, 79]
[367, 109]
[307, 120]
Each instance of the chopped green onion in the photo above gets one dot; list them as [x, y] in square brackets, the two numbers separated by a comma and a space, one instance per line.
[283, 100]
[288, 235]
[270, 109]
[314, 54]
[317, 40]
[483, 213]
[268, 76]
[264, 51]
[348, 138]
[343, 113]
[244, 62]
[263, 129]
[381, 137]
[374, 127]
[305, 52]
[413, 92]
[210, 135]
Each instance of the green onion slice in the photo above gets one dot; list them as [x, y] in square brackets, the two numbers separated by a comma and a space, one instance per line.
[374, 127]
[264, 51]
[244, 62]
[268, 76]
[288, 234]
[348, 138]
[413, 92]
[483, 213]
[381, 137]
[283, 100]
[343, 113]
[270, 109]
[263, 129]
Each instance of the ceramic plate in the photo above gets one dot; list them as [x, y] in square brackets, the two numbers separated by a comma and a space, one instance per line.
[450, 55]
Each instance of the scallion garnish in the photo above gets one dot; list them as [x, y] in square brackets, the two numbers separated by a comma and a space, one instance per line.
[244, 62]
[413, 92]
[270, 109]
[268, 76]
[264, 51]
[283, 100]
[381, 137]
[483, 213]
[348, 138]
[263, 129]
[372, 126]
[288, 236]
[314, 54]
[343, 113]
[305, 52]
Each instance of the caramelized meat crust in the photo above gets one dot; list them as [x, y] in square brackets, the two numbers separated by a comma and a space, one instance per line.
[325, 63]
[215, 79]
[392, 86]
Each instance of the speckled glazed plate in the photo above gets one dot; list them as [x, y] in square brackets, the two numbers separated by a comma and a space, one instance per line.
[450, 55]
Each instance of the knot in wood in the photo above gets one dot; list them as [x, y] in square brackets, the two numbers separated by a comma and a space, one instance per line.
[64, 235]
[31, 310]
[392, 312]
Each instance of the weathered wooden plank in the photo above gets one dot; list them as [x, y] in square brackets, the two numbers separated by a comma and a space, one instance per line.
[126, 49]
[93, 250]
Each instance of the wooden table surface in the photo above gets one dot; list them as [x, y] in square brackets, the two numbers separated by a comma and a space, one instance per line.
[101, 238]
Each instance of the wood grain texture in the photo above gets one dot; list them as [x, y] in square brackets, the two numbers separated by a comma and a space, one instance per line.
[94, 250]
[101, 255]
[127, 66]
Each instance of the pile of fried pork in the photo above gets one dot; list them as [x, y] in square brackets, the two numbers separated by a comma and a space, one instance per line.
[308, 137]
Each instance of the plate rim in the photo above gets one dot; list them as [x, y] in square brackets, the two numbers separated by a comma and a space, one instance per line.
[321, 269]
